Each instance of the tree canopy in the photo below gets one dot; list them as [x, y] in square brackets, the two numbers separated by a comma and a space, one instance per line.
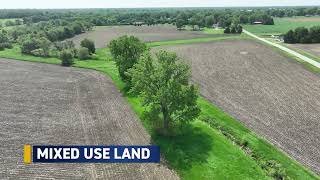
[126, 51]
[163, 83]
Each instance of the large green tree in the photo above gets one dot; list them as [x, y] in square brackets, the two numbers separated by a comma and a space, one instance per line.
[163, 83]
[126, 51]
[86, 43]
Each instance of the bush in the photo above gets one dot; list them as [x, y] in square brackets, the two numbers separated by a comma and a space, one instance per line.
[83, 53]
[227, 30]
[88, 44]
[29, 45]
[38, 52]
[233, 30]
[64, 45]
[303, 35]
[66, 58]
[239, 29]
[273, 169]
[5, 45]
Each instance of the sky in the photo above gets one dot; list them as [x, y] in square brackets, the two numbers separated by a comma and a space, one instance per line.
[60, 4]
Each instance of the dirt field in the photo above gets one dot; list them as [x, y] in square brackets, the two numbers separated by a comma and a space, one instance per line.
[269, 93]
[310, 48]
[47, 104]
[103, 35]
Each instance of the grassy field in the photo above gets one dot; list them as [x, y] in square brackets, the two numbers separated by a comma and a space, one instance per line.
[213, 31]
[199, 151]
[5, 20]
[196, 40]
[283, 25]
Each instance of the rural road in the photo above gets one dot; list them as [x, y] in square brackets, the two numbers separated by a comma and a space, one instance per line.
[302, 57]
[53, 105]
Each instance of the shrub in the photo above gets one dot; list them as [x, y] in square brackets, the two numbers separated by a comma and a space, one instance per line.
[38, 52]
[64, 45]
[303, 35]
[88, 44]
[83, 53]
[66, 58]
[233, 30]
[273, 169]
[29, 45]
[239, 29]
[5, 45]
[227, 30]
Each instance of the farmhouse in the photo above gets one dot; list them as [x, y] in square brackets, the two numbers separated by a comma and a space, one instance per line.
[216, 25]
[257, 22]
[138, 23]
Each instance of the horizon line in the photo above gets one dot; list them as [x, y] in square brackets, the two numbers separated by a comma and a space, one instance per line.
[263, 6]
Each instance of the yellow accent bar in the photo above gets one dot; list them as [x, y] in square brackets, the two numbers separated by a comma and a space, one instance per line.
[27, 154]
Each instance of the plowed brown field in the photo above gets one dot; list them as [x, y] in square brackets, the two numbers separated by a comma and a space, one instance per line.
[269, 93]
[310, 48]
[103, 35]
[48, 104]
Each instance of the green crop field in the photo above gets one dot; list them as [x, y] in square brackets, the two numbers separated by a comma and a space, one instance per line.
[283, 25]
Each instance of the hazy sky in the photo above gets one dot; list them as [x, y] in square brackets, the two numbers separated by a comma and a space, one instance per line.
[13, 4]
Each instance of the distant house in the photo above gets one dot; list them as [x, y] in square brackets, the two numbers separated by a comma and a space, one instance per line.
[216, 25]
[138, 23]
[257, 22]
[278, 38]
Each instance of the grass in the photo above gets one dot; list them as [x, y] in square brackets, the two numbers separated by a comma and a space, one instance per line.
[213, 31]
[303, 52]
[198, 151]
[282, 25]
[195, 40]
[293, 169]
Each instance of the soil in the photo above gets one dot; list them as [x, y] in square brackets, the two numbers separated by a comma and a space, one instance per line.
[103, 35]
[310, 48]
[273, 95]
[53, 105]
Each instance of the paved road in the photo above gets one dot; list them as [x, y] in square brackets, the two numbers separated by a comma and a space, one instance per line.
[49, 104]
[302, 57]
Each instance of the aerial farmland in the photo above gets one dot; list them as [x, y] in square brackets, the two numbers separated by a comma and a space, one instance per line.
[211, 93]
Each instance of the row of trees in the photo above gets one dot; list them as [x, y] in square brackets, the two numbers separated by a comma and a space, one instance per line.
[161, 81]
[303, 35]
[55, 30]
[196, 17]
[234, 29]
[221, 18]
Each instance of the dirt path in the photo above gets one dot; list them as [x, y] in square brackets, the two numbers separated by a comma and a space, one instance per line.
[290, 51]
[269, 93]
[47, 104]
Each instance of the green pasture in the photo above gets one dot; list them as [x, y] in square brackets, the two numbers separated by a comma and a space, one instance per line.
[283, 25]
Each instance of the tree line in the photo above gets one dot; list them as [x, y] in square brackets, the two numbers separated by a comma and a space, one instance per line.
[303, 35]
[202, 17]
[223, 19]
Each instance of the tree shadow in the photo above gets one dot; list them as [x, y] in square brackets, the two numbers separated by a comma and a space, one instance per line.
[190, 146]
